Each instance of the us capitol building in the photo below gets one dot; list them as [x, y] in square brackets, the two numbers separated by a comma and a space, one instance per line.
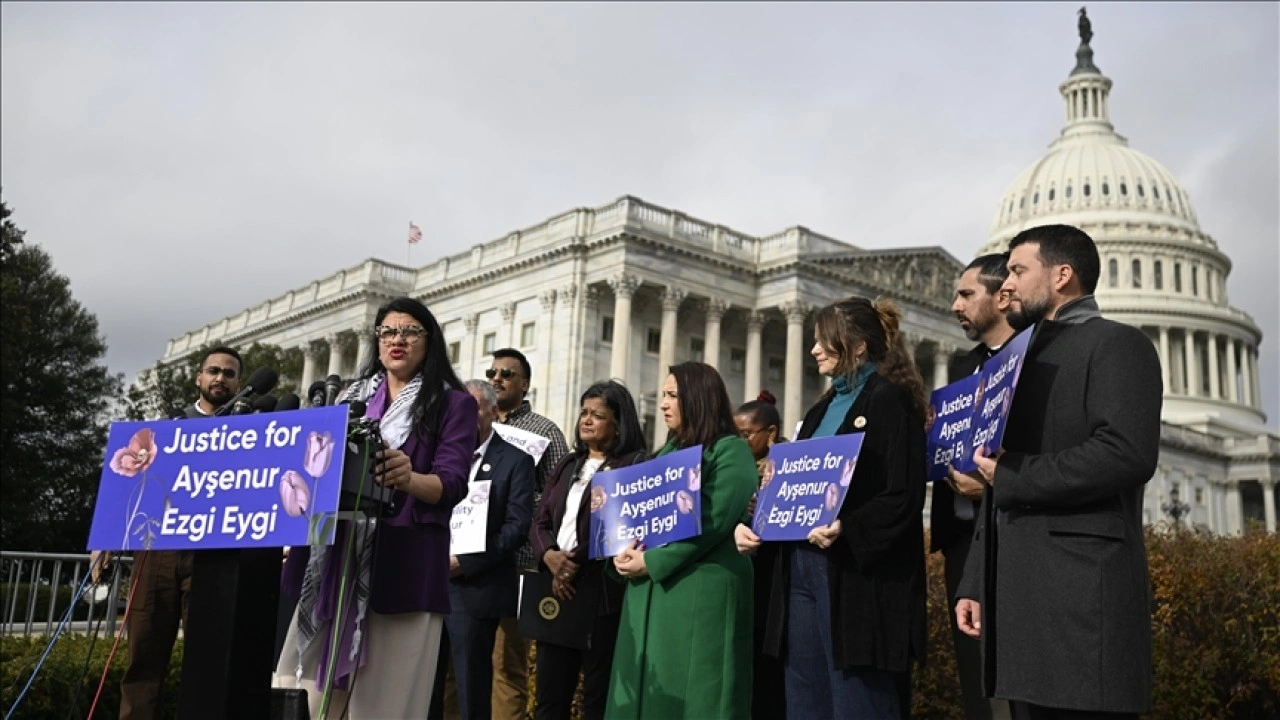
[628, 288]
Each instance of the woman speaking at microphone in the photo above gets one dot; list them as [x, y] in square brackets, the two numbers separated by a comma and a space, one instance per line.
[684, 644]
[608, 436]
[847, 611]
[396, 586]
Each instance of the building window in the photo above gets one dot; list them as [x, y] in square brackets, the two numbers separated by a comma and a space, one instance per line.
[1155, 191]
[1106, 189]
[738, 360]
[1035, 199]
[653, 341]
[1159, 278]
[606, 329]
[490, 343]
[527, 332]
[1124, 189]
[1137, 273]
[1177, 277]
[1086, 189]
[1051, 193]
[1113, 273]
[1140, 193]
[776, 369]
[1195, 281]
[1068, 192]
[697, 348]
[1200, 497]
[1208, 283]
[455, 352]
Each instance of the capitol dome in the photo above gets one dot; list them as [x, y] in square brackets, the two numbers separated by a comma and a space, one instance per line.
[1160, 271]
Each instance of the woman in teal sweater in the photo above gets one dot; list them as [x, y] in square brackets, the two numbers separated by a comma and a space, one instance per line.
[684, 644]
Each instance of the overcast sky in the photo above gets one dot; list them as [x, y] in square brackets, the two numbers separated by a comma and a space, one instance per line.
[182, 162]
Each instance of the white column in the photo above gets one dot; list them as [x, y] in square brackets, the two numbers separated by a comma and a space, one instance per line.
[793, 388]
[751, 381]
[1269, 504]
[545, 321]
[1165, 360]
[1215, 381]
[308, 367]
[1235, 512]
[671, 299]
[335, 355]
[1253, 376]
[508, 311]
[624, 287]
[941, 354]
[467, 356]
[1192, 387]
[1246, 370]
[364, 348]
[1233, 390]
[715, 310]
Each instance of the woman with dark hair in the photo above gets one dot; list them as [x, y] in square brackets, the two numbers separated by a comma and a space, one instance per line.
[387, 615]
[760, 425]
[607, 436]
[847, 608]
[684, 644]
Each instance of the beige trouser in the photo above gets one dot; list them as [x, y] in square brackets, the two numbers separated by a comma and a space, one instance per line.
[397, 676]
[510, 672]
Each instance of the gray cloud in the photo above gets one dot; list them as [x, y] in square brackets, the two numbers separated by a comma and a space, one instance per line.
[183, 161]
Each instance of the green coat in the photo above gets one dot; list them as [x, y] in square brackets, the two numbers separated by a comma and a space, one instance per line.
[684, 643]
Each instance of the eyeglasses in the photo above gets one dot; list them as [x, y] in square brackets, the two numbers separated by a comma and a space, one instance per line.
[505, 373]
[747, 435]
[410, 333]
[215, 371]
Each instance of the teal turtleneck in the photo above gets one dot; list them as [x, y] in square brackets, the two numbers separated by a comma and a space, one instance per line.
[846, 391]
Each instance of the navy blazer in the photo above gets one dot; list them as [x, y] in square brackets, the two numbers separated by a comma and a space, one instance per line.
[489, 585]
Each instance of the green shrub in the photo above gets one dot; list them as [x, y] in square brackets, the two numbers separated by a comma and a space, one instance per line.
[62, 680]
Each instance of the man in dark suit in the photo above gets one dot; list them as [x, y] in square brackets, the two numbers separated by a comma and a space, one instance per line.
[483, 587]
[980, 307]
[1056, 583]
[163, 584]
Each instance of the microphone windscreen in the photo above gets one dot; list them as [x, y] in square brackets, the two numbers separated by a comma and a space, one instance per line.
[358, 408]
[333, 381]
[263, 380]
[288, 401]
[266, 403]
[177, 414]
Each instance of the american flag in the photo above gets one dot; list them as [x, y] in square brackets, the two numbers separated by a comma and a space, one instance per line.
[415, 234]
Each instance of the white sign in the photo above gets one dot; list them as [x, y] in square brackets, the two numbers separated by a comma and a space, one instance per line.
[532, 443]
[470, 520]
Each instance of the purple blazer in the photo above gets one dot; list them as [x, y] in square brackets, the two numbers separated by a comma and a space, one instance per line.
[411, 559]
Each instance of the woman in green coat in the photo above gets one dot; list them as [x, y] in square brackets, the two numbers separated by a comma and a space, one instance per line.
[684, 644]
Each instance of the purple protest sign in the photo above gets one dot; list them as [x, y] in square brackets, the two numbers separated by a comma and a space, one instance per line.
[656, 502]
[804, 486]
[265, 480]
[973, 411]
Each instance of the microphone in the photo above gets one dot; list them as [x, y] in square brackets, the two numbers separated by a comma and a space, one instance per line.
[358, 408]
[264, 404]
[177, 414]
[315, 394]
[288, 401]
[332, 385]
[261, 382]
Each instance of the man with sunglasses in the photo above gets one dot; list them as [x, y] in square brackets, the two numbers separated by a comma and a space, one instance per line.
[163, 578]
[509, 374]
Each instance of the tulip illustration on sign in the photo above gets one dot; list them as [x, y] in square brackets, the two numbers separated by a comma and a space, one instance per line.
[131, 461]
[319, 449]
[295, 496]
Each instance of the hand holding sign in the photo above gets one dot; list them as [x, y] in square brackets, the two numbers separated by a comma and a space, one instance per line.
[802, 488]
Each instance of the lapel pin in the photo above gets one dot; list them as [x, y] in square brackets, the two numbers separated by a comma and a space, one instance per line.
[485, 467]
[860, 422]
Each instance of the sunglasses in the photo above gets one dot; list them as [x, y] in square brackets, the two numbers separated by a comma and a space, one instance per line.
[215, 371]
[411, 333]
[504, 373]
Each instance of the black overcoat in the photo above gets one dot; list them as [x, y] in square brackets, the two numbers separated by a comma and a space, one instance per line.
[876, 567]
[1059, 561]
